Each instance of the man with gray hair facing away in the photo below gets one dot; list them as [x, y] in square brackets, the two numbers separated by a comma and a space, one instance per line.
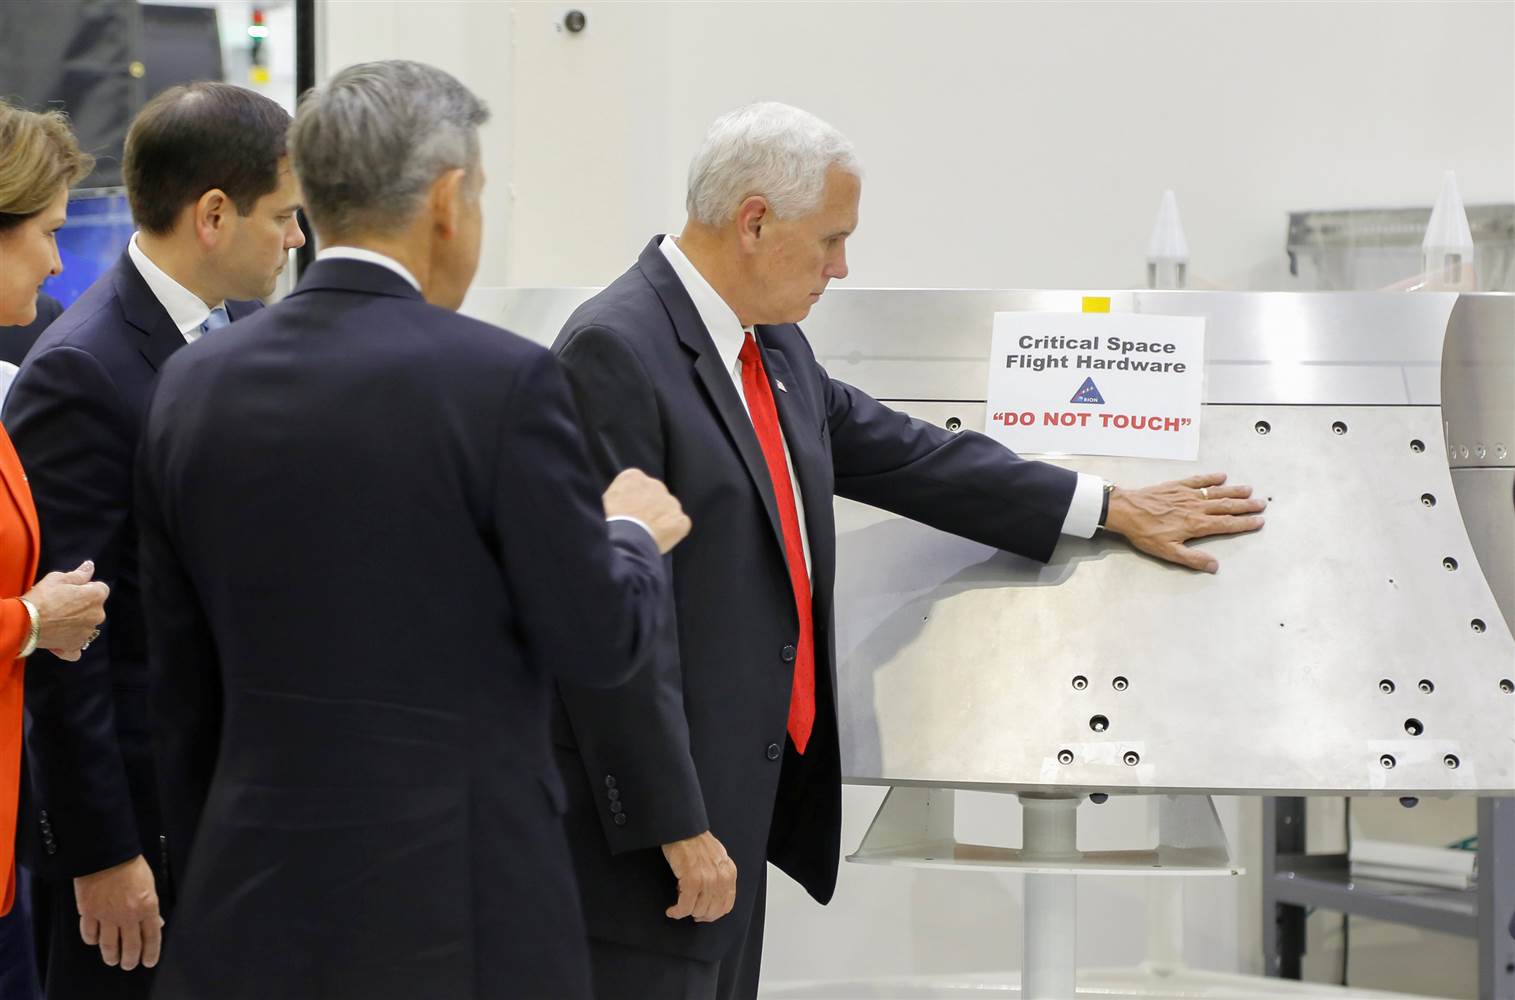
[370, 541]
[723, 753]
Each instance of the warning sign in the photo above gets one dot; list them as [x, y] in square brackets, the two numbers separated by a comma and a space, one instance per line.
[1097, 384]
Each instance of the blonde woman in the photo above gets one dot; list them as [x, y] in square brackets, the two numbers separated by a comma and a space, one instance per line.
[39, 160]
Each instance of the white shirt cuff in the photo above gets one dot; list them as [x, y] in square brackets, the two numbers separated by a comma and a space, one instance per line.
[643, 524]
[1083, 512]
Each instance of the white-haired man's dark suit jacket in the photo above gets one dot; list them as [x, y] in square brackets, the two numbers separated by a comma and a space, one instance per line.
[697, 740]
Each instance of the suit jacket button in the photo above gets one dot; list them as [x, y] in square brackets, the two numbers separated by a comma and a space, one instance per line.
[616, 807]
[613, 794]
[43, 814]
[773, 751]
[52, 848]
[609, 781]
[620, 819]
[788, 654]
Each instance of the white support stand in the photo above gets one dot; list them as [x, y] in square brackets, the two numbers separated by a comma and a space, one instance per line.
[1051, 926]
[1165, 911]
[915, 828]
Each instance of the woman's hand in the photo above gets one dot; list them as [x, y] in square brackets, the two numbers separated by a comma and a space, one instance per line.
[71, 607]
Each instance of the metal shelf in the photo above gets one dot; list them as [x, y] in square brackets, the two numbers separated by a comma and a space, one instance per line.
[1295, 881]
[1323, 882]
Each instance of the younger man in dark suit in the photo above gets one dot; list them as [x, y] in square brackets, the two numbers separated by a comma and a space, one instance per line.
[214, 201]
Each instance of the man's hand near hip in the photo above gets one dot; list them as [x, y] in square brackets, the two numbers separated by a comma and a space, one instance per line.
[118, 911]
[707, 878]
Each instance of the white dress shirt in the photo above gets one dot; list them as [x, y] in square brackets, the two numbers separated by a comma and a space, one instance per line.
[371, 257]
[186, 309]
[728, 334]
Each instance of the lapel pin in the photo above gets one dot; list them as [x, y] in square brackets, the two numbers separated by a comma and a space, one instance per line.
[780, 385]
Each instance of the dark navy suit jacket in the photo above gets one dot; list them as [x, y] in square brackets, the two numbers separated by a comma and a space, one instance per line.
[697, 740]
[75, 412]
[371, 540]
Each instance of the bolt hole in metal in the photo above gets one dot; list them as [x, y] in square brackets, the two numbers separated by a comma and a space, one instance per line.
[1386, 686]
[954, 424]
[1449, 563]
[1478, 625]
[1262, 427]
[1426, 687]
[1429, 499]
[1387, 762]
[1507, 686]
[1338, 428]
[1417, 446]
[1099, 723]
[1120, 684]
[1132, 758]
[1451, 761]
[1080, 682]
[1414, 727]
[1065, 756]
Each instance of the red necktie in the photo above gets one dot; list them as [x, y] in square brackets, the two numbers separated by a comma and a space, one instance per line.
[765, 420]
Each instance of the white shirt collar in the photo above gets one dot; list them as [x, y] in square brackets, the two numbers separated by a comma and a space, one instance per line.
[186, 309]
[370, 257]
[720, 321]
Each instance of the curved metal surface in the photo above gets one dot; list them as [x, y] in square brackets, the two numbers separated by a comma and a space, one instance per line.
[958, 663]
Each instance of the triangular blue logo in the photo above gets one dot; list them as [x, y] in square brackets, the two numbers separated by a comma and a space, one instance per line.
[1088, 393]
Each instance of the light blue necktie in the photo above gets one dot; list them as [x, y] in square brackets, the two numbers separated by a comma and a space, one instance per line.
[215, 321]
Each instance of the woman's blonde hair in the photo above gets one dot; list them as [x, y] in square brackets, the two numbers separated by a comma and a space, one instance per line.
[38, 156]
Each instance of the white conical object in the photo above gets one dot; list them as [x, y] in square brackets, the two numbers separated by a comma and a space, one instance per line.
[1449, 230]
[1167, 242]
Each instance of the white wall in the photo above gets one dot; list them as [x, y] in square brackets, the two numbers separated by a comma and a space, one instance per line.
[471, 39]
[1007, 145]
[1016, 145]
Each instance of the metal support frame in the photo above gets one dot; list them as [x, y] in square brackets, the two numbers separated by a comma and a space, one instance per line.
[915, 828]
[1496, 899]
[1295, 881]
[306, 61]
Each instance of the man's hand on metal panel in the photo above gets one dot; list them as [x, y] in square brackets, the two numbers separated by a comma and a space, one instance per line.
[1160, 519]
[118, 911]
[636, 495]
[707, 878]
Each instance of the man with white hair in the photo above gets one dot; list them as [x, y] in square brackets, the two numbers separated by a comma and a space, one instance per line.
[723, 754]
[370, 540]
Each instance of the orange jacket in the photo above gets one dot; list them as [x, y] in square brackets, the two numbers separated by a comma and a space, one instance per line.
[18, 571]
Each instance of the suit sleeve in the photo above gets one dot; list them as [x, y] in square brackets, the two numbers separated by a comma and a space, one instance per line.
[63, 417]
[964, 483]
[185, 690]
[589, 595]
[637, 734]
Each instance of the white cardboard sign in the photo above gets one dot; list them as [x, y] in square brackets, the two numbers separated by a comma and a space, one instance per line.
[1097, 384]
